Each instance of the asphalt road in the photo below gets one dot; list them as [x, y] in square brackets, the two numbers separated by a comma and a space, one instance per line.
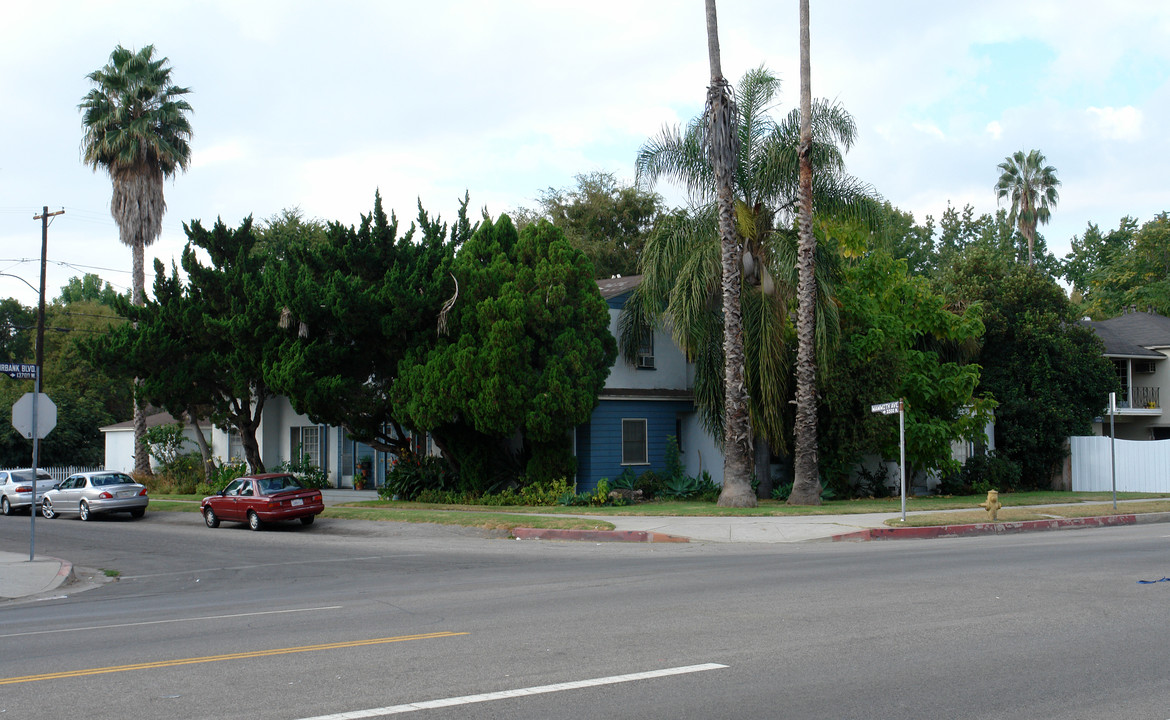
[345, 616]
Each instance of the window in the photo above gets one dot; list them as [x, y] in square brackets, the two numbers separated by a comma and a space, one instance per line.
[634, 442]
[235, 446]
[1121, 369]
[646, 351]
[305, 443]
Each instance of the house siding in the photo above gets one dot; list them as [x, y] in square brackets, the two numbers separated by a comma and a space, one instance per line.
[599, 443]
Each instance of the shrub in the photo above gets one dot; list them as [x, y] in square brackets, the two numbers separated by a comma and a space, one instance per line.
[309, 474]
[705, 489]
[651, 484]
[165, 442]
[781, 492]
[872, 483]
[626, 481]
[982, 473]
[409, 476]
[680, 488]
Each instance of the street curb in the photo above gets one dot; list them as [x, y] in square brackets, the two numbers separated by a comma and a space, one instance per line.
[1001, 528]
[64, 575]
[638, 536]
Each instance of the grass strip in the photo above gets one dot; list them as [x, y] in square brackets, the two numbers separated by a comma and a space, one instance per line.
[1020, 514]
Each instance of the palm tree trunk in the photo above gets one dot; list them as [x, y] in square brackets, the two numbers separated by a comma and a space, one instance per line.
[806, 487]
[141, 451]
[721, 143]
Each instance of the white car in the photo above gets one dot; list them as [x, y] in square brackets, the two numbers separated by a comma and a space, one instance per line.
[16, 489]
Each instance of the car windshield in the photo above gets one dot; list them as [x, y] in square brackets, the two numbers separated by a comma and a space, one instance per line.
[110, 479]
[284, 483]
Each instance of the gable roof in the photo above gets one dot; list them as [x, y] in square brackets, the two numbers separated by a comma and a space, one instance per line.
[617, 286]
[161, 418]
[1133, 334]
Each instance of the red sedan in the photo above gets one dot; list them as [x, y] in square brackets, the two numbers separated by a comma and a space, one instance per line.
[259, 499]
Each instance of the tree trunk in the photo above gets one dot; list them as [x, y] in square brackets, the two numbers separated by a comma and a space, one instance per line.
[201, 441]
[722, 146]
[806, 485]
[763, 468]
[141, 451]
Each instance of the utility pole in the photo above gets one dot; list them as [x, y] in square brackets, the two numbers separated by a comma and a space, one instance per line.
[44, 218]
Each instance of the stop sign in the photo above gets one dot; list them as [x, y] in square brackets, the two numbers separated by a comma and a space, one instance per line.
[22, 415]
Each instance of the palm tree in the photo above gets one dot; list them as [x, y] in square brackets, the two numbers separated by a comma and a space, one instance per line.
[682, 262]
[721, 143]
[1030, 186]
[806, 481]
[136, 129]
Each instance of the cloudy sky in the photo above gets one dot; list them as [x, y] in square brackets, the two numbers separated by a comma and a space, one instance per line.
[315, 105]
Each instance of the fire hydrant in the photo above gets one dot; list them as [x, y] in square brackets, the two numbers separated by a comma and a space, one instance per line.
[992, 505]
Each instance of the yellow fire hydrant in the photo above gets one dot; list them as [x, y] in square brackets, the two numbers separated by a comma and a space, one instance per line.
[992, 505]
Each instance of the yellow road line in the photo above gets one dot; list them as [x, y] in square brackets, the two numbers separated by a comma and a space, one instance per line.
[219, 658]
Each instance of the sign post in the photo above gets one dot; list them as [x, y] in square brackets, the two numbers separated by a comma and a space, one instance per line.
[1112, 450]
[889, 408]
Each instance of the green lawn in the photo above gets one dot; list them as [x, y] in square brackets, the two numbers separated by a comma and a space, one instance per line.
[1022, 513]
[412, 511]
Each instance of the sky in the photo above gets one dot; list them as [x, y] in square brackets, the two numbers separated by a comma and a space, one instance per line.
[315, 105]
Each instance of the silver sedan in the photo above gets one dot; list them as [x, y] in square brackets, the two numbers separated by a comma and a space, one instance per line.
[92, 493]
[16, 489]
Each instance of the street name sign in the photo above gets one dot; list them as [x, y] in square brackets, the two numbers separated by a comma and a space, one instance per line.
[19, 371]
[22, 418]
[888, 408]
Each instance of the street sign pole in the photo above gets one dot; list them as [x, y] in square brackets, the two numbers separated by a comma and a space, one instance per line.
[1112, 452]
[902, 452]
[889, 408]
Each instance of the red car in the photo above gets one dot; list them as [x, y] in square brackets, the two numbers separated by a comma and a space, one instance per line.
[259, 499]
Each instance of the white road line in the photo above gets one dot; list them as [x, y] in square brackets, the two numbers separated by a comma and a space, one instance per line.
[172, 620]
[503, 695]
[265, 565]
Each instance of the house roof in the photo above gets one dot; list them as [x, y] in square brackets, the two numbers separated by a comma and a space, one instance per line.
[1133, 334]
[162, 418]
[615, 286]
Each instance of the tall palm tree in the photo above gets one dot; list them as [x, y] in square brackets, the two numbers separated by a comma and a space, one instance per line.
[682, 262]
[136, 129]
[1030, 186]
[721, 142]
[806, 481]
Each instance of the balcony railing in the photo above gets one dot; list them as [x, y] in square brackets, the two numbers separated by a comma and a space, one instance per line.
[1141, 398]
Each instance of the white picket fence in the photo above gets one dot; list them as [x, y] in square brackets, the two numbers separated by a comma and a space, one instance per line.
[59, 473]
[1142, 465]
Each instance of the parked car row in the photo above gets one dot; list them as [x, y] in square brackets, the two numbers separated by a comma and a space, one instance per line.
[252, 499]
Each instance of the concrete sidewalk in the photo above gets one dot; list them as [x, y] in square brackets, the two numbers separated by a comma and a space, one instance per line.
[21, 578]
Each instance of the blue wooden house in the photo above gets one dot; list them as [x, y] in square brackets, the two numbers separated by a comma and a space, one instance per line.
[646, 400]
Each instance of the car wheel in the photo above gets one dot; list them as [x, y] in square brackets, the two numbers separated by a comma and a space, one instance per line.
[83, 512]
[210, 518]
[253, 520]
[47, 510]
[137, 513]
[308, 519]
[5, 506]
